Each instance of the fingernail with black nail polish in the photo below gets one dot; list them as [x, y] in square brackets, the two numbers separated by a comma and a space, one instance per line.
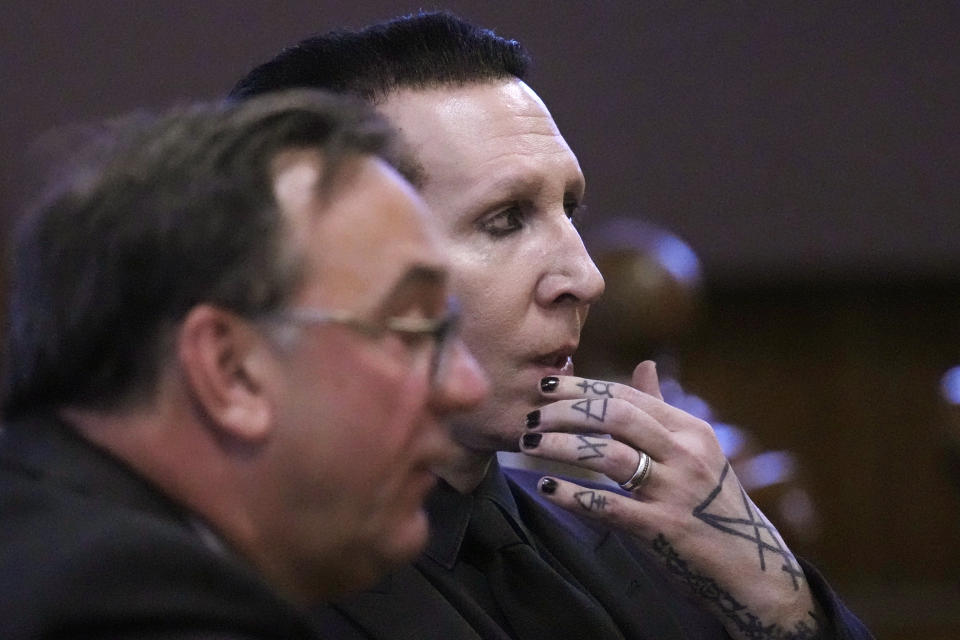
[549, 384]
[531, 440]
[548, 486]
[533, 419]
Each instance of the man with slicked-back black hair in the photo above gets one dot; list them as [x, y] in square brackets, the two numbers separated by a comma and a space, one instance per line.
[680, 552]
[418, 52]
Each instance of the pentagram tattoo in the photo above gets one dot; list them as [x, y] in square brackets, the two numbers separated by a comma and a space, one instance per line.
[591, 500]
[593, 444]
[598, 387]
[709, 590]
[587, 408]
[751, 526]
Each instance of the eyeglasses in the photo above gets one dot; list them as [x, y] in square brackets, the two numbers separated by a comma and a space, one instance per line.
[439, 330]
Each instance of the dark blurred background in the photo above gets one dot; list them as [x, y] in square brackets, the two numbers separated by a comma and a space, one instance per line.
[808, 153]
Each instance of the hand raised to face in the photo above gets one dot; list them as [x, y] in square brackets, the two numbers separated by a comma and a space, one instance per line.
[689, 507]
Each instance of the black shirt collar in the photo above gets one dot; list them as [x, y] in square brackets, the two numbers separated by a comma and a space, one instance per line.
[449, 512]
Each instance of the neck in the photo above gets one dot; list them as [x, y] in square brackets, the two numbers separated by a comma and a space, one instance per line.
[183, 462]
[466, 470]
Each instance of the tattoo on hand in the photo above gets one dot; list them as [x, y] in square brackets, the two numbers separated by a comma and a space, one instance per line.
[708, 589]
[598, 387]
[751, 526]
[593, 444]
[591, 500]
[586, 407]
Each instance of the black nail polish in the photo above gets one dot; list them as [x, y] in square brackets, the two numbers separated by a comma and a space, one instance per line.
[548, 486]
[549, 384]
[533, 419]
[531, 440]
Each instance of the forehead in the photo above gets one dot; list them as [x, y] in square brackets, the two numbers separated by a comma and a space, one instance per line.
[362, 237]
[487, 132]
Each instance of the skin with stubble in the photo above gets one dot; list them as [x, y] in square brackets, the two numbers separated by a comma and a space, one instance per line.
[504, 185]
[385, 413]
[275, 419]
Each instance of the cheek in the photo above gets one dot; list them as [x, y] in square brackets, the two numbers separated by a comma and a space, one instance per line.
[388, 432]
[496, 296]
[380, 406]
[388, 413]
[353, 407]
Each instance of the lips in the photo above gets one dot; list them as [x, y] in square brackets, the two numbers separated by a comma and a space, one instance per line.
[559, 361]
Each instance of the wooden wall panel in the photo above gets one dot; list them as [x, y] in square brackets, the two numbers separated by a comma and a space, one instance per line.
[847, 377]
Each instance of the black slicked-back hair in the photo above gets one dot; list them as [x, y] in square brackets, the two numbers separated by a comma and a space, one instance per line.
[159, 215]
[418, 51]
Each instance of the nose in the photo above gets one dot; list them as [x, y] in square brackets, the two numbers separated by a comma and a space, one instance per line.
[460, 383]
[570, 275]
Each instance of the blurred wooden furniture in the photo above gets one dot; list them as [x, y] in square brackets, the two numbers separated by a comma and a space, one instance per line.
[847, 376]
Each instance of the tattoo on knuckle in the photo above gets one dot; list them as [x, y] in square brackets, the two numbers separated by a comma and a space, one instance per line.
[591, 500]
[598, 387]
[591, 447]
[592, 408]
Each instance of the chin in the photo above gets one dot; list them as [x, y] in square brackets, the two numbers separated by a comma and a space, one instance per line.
[404, 543]
[491, 442]
[366, 564]
[498, 424]
[510, 441]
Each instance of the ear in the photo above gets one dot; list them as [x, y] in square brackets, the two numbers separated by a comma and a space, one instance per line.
[223, 360]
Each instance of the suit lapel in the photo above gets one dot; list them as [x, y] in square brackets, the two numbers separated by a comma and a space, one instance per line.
[406, 606]
[411, 605]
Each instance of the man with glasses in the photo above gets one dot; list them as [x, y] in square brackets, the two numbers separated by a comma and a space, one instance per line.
[681, 552]
[218, 409]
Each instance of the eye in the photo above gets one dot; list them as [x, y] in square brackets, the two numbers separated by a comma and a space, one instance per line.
[503, 223]
[406, 329]
[413, 340]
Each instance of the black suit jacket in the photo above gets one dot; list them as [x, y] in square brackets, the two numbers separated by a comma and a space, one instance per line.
[88, 549]
[415, 603]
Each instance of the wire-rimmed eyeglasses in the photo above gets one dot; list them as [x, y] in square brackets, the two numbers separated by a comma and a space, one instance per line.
[439, 330]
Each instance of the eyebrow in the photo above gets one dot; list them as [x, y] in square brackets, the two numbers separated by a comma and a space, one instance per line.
[510, 183]
[417, 276]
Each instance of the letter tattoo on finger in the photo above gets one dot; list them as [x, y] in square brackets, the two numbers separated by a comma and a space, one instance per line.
[593, 444]
[598, 387]
[591, 500]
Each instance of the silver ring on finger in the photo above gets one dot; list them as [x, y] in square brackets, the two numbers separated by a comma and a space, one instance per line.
[641, 475]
